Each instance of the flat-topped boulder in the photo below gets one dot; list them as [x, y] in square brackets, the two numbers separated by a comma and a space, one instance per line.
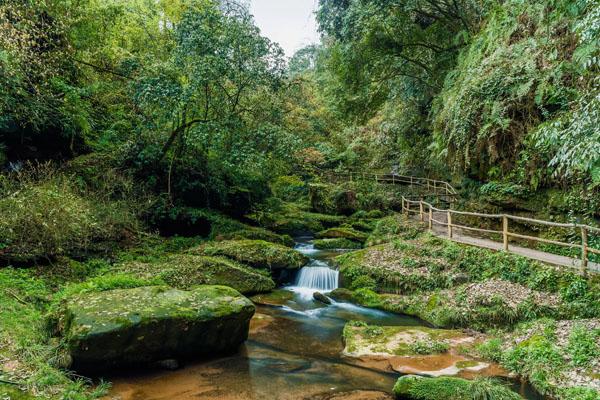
[184, 271]
[414, 350]
[136, 326]
[343, 232]
[256, 253]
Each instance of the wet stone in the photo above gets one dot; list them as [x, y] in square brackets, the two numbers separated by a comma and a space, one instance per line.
[144, 325]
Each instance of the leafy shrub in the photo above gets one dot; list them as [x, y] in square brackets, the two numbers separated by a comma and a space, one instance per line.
[583, 346]
[363, 282]
[425, 348]
[45, 215]
[289, 187]
[491, 349]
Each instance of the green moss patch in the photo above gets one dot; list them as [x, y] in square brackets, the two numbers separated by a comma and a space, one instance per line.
[257, 253]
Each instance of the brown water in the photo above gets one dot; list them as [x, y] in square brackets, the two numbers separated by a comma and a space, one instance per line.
[293, 352]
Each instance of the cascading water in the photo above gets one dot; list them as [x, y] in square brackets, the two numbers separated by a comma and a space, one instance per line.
[318, 276]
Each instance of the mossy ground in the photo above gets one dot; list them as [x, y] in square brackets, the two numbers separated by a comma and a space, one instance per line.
[452, 285]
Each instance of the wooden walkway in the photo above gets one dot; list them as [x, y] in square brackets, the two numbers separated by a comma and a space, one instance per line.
[441, 222]
[460, 236]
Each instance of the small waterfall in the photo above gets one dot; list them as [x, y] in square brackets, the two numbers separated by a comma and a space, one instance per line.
[319, 278]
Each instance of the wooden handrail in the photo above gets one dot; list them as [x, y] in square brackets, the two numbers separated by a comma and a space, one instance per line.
[397, 178]
[426, 208]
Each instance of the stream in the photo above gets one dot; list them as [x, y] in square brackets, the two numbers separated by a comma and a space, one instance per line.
[293, 351]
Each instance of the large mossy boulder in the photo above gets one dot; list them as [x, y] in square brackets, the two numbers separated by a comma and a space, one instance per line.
[126, 327]
[255, 233]
[184, 271]
[343, 233]
[293, 219]
[256, 253]
[413, 387]
[335, 244]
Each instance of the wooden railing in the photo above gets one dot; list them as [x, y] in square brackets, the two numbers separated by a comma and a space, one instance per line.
[426, 213]
[436, 186]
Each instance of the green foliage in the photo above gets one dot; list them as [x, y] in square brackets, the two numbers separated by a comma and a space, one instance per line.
[583, 346]
[288, 188]
[48, 214]
[429, 347]
[419, 388]
[25, 341]
[538, 358]
[363, 282]
[491, 349]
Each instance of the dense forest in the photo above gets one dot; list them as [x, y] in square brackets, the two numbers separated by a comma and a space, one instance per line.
[162, 164]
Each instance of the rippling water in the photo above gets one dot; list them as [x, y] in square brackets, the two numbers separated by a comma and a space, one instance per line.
[293, 352]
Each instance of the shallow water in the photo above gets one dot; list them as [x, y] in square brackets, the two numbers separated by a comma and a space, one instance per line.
[293, 352]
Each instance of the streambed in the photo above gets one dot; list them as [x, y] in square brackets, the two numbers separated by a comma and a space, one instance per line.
[294, 351]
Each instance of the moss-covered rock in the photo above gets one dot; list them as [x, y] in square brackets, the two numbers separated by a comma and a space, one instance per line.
[255, 233]
[318, 296]
[184, 271]
[447, 388]
[361, 339]
[343, 233]
[343, 295]
[257, 253]
[136, 326]
[292, 220]
[332, 244]
[276, 297]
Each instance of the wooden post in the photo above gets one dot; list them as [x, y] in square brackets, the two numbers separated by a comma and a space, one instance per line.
[421, 210]
[584, 250]
[449, 225]
[505, 232]
[403, 204]
[411, 181]
[430, 218]
[407, 208]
